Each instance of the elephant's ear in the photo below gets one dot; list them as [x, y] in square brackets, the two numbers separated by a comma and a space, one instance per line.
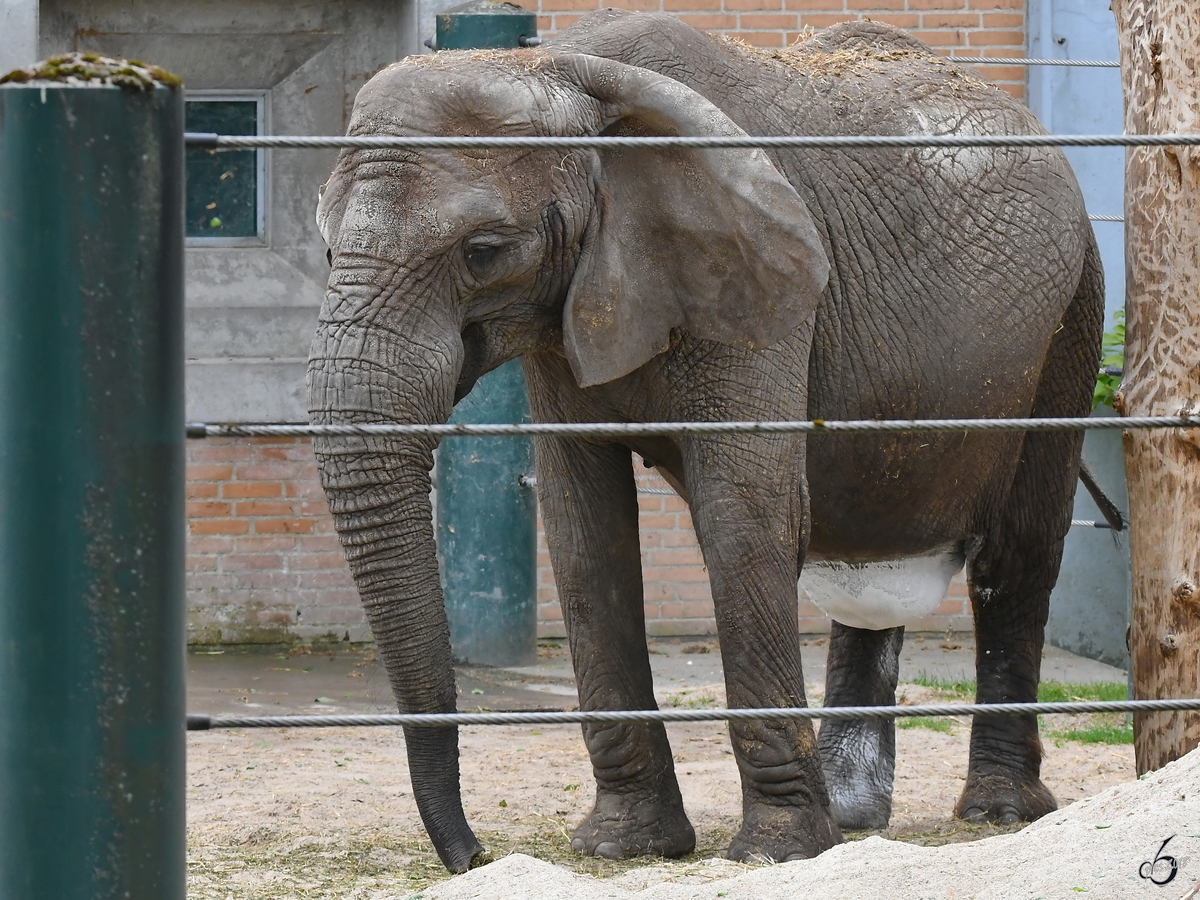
[333, 196]
[716, 242]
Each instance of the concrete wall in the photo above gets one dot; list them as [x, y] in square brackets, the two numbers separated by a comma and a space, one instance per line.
[18, 34]
[251, 310]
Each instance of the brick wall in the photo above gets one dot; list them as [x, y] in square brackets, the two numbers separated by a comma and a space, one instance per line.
[264, 564]
[678, 598]
[961, 28]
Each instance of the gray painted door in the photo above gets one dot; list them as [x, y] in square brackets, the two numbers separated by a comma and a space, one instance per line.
[1089, 610]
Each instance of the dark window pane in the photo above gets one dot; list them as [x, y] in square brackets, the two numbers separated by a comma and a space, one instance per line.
[222, 187]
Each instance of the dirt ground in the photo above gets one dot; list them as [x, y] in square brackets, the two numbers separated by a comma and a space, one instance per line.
[291, 813]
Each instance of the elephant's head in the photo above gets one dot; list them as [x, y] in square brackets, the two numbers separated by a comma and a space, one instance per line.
[446, 264]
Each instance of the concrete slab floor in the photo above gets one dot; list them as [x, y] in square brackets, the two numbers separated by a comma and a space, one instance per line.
[280, 683]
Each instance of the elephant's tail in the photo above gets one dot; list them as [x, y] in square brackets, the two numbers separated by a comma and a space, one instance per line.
[1112, 514]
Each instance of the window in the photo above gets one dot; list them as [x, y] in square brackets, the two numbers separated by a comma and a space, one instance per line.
[226, 189]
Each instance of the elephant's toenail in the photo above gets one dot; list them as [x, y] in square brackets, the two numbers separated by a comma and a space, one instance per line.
[1009, 817]
[974, 814]
[793, 857]
[607, 850]
[577, 844]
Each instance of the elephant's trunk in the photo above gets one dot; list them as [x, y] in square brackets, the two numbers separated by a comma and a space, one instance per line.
[378, 491]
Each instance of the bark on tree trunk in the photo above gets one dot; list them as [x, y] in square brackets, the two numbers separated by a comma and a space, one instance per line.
[1160, 74]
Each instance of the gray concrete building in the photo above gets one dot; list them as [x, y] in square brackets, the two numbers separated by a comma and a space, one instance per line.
[256, 264]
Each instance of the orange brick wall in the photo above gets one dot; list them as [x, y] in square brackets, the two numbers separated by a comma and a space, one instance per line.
[264, 564]
[967, 29]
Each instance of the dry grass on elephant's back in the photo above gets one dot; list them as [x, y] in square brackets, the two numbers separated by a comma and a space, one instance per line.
[329, 813]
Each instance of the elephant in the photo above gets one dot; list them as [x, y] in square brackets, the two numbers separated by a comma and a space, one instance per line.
[718, 285]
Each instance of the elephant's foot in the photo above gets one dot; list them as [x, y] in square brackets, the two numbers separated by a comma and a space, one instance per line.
[1000, 796]
[772, 834]
[858, 760]
[859, 803]
[623, 825]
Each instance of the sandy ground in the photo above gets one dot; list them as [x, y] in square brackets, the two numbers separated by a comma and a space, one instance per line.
[286, 813]
[1136, 839]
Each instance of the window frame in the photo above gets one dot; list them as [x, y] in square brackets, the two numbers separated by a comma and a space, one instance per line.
[262, 169]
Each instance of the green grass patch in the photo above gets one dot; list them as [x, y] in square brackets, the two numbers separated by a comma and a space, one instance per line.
[1064, 692]
[1100, 733]
[963, 689]
[1048, 691]
[945, 726]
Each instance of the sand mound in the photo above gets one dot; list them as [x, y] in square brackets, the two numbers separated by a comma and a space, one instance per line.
[1101, 846]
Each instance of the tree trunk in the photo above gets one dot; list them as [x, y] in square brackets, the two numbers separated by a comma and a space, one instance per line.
[1160, 74]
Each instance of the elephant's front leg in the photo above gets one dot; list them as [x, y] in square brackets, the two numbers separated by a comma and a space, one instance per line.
[590, 510]
[749, 508]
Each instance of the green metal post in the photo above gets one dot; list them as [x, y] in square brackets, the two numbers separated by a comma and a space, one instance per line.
[487, 529]
[485, 25]
[91, 491]
[487, 515]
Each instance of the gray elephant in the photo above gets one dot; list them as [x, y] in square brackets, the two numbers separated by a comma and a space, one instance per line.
[697, 285]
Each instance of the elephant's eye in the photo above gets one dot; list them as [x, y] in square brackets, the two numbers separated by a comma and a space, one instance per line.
[329, 256]
[482, 254]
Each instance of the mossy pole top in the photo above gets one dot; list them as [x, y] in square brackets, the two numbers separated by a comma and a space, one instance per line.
[485, 25]
[92, 70]
[91, 471]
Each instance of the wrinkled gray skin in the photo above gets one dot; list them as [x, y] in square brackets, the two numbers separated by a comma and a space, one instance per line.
[715, 285]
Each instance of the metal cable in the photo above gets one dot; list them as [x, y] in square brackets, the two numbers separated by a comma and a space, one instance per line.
[667, 492]
[660, 429]
[199, 140]
[973, 61]
[1106, 218]
[838, 713]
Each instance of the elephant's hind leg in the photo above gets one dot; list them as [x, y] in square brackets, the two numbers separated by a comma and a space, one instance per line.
[859, 756]
[1011, 579]
[590, 511]
[1015, 569]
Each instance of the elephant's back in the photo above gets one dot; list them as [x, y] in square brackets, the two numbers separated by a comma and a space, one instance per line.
[851, 78]
[952, 264]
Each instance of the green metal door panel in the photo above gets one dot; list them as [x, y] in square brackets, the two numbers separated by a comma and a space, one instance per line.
[487, 518]
[485, 24]
[91, 493]
[487, 531]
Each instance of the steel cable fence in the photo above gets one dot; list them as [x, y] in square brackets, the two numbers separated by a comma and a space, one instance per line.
[973, 61]
[669, 429]
[209, 141]
[198, 722]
